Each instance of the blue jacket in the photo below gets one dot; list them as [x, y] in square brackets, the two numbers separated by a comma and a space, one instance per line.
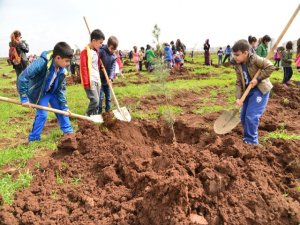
[228, 51]
[34, 81]
[168, 53]
[109, 62]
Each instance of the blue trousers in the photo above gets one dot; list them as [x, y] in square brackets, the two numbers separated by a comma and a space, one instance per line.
[253, 108]
[105, 91]
[41, 117]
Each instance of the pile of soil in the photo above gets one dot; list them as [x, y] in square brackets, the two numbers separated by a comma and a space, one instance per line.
[132, 173]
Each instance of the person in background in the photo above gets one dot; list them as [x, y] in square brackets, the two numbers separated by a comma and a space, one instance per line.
[150, 56]
[262, 49]
[206, 48]
[227, 53]
[141, 58]
[253, 44]
[168, 55]
[136, 58]
[220, 56]
[277, 56]
[287, 64]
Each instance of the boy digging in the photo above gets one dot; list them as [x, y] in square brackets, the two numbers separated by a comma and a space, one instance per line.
[43, 82]
[246, 66]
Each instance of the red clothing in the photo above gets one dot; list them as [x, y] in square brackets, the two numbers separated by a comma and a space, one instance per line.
[120, 64]
[86, 65]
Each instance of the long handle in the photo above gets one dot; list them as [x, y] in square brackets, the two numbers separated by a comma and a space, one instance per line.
[283, 32]
[106, 76]
[249, 88]
[4, 99]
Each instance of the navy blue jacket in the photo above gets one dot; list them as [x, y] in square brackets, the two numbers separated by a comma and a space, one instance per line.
[109, 62]
[34, 81]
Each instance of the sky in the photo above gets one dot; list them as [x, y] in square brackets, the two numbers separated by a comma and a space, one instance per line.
[43, 23]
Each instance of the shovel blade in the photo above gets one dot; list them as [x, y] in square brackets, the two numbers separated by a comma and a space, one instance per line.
[96, 118]
[123, 114]
[227, 121]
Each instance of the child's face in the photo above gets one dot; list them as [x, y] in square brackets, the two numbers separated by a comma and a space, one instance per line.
[111, 49]
[96, 44]
[61, 62]
[240, 57]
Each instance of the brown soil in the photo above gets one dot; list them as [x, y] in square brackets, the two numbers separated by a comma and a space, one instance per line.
[71, 80]
[131, 173]
[11, 91]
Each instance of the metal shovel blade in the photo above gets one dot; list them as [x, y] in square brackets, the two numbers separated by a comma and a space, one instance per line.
[96, 118]
[227, 121]
[123, 114]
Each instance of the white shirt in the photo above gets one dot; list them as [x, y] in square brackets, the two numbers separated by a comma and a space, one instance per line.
[95, 76]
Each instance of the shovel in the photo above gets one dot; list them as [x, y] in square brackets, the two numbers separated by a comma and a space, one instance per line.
[119, 113]
[230, 119]
[92, 118]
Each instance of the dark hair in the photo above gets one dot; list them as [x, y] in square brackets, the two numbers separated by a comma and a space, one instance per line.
[63, 50]
[265, 39]
[241, 45]
[172, 42]
[228, 46]
[252, 39]
[289, 45]
[142, 48]
[281, 48]
[112, 41]
[148, 47]
[97, 35]
[14, 36]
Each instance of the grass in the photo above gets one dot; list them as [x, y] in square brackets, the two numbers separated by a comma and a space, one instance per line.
[281, 134]
[8, 185]
[208, 109]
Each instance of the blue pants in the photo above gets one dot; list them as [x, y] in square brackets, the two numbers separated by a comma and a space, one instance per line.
[41, 117]
[253, 108]
[105, 91]
[287, 74]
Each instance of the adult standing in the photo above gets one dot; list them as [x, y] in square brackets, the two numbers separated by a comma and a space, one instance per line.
[206, 52]
[17, 52]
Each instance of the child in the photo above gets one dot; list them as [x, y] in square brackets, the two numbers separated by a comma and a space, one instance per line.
[227, 53]
[135, 57]
[262, 49]
[297, 60]
[246, 66]
[181, 54]
[150, 55]
[119, 63]
[206, 48]
[277, 56]
[109, 62]
[177, 60]
[252, 41]
[141, 58]
[287, 64]
[168, 55]
[89, 71]
[220, 56]
[43, 82]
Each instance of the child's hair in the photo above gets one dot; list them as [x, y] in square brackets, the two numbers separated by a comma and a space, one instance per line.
[14, 36]
[142, 48]
[228, 46]
[280, 49]
[134, 48]
[112, 41]
[241, 45]
[63, 50]
[289, 45]
[172, 42]
[77, 51]
[220, 48]
[97, 35]
[148, 47]
[266, 39]
[252, 39]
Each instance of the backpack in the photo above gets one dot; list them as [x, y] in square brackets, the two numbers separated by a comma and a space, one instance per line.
[13, 56]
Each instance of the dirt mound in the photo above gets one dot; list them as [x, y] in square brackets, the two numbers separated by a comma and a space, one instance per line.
[131, 173]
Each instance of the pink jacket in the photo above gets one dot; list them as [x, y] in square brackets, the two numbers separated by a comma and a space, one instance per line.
[297, 60]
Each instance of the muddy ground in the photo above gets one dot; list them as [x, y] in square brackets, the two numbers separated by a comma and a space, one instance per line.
[132, 173]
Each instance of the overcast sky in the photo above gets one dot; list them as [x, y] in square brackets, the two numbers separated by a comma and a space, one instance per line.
[43, 23]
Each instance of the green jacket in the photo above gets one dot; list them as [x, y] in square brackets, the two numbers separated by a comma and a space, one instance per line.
[150, 55]
[286, 58]
[254, 63]
[262, 50]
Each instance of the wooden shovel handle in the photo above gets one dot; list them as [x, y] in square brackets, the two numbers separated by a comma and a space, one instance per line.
[4, 99]
[250, 86]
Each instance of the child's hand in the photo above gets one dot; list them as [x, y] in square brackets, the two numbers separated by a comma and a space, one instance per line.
[238, 103]
[69, 112]
[254, 82]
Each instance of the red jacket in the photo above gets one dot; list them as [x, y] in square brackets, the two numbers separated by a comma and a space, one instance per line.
[86, 66]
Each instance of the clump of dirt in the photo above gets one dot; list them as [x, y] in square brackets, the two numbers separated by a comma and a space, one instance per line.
[1, 200]
[72, 80]
[131, 173]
